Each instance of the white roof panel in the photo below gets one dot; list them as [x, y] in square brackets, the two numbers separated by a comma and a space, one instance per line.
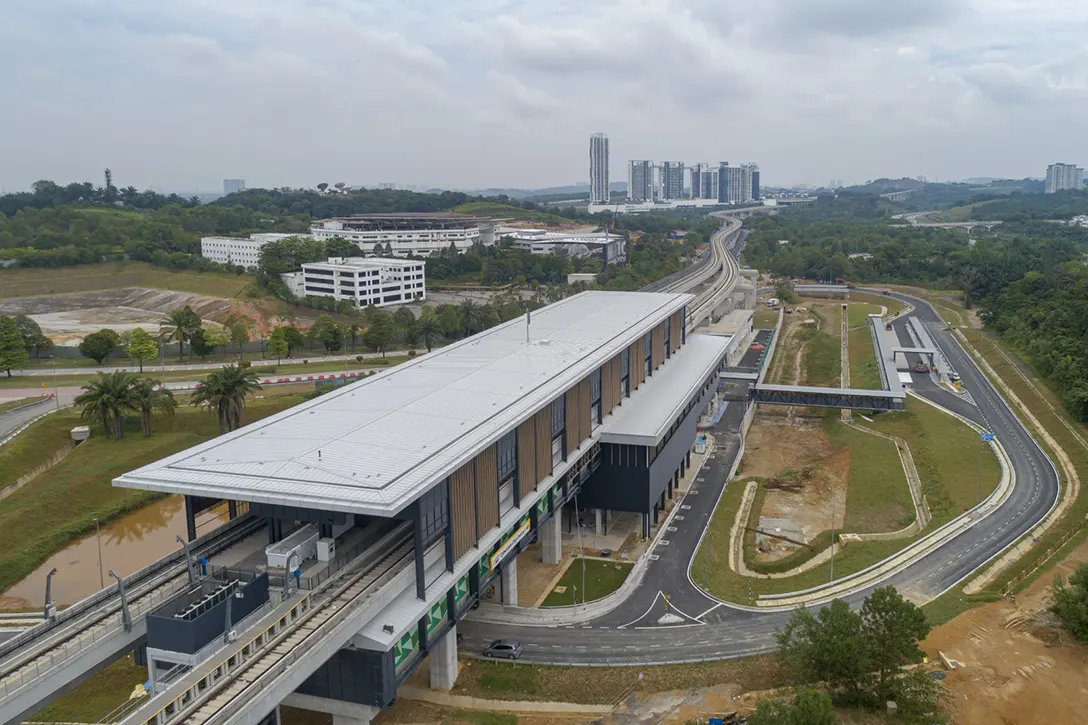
[375, 445]
[644, 420]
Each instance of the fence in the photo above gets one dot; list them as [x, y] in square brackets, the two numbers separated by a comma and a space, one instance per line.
[1010, 587]
[28, 477]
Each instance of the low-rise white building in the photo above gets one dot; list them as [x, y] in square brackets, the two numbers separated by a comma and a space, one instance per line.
[378, 281]
[408, 234]
[570, 244]
[242, 251]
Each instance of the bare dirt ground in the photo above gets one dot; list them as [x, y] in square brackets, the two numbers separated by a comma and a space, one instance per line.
[67, 318]
[775, 445]
[1016, 667]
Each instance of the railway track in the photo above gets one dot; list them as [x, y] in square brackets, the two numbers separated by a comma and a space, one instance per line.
[240, 673]
[48, 646]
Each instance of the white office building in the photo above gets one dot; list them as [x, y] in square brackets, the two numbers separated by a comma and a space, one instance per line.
[704, 182]
[238, 251]
[408, 234]
[365, 281]
[570, 244]
[232, 185]
[1064, 176]
[598, 169]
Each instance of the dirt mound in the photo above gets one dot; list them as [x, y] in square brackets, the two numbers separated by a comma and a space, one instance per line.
[775, 445]
[67, 318]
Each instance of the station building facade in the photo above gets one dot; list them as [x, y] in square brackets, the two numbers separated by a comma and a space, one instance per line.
[473, 451]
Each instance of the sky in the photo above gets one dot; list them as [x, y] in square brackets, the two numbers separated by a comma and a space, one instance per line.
[180, 94]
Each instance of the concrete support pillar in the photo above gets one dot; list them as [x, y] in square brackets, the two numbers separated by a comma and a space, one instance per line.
[670, 489]
[688, 458]
[683, 469]
[190, 519]
[343, 712]
[509, 578]
[661, 505]
[551, 541]
[645, 526]
[444, 661]
[600, 521]
[232, 509]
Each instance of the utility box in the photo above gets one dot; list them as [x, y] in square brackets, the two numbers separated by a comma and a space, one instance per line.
[81, 433]
[326, 549]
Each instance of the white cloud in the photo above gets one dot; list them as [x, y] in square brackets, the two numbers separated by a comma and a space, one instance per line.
[470, 93]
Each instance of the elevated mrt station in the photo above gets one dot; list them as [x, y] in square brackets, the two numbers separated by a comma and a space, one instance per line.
[395, 501]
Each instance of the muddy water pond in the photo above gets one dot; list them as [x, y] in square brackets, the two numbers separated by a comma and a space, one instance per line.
[128, 544]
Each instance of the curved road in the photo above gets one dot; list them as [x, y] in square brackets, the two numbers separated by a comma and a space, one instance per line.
[635, 633]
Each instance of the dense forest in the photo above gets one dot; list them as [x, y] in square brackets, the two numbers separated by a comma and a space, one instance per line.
[1044, 316]
[1027, 277]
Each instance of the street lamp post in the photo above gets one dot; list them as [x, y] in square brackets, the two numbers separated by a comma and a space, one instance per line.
[188, 558]
[832, 536]
[56, 390]
[126, 619]
[98, 537]
[49, 608]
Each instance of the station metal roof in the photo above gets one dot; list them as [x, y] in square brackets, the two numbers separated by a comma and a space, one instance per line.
[374, 446]
[645, 419]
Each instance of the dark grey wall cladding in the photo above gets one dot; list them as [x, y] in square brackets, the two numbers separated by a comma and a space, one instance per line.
[293, 513]
[167, 632]
[360, 676]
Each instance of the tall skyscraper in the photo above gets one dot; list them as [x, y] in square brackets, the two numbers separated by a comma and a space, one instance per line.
[1064, 176]
[640, 181]
[753, 172]
[672, 180]
[232, 185]
[598, 169]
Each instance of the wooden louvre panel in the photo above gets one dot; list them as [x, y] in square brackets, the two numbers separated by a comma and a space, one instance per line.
[463, 509]
[574, 420]
[637, 372]
[543, 432]
[527, 472]
[657, 347]
[487, 490]
[606, 388]
[584, 411]
[617, 382]
[674, 331]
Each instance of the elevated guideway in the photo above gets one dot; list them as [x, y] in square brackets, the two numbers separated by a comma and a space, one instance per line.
[45, 661]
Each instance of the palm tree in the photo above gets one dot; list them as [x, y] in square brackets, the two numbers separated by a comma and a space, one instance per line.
[471, 317]
[224, 392]
[430, 330]
[178, 326]
[105, 400]
[149, 398]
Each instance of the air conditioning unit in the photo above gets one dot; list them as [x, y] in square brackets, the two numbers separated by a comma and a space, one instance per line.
[232, 635]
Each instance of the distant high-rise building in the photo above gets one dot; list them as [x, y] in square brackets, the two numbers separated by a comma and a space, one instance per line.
[738, 184]
[1064, 176]
[598, 169]
[672, 180]
[704, 181]
[640, 181]
[387, 185]
[232, 185]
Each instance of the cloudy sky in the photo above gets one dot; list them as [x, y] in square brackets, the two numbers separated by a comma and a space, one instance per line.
[178, 94]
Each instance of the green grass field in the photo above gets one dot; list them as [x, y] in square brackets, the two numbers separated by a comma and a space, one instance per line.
[265, 369]
[863, 363]
[878, 497]
[948, 454]
[36, 281]
[765, 318]
[12, 404]
[59, 507]
[601, 578]
[823, 356]
[491, 209]
[97, 697]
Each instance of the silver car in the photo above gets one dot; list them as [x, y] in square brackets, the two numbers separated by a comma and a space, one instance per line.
[503, 648]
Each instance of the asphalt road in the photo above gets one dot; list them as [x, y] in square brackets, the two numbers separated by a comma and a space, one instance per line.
[12, 419]
[693, 626]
